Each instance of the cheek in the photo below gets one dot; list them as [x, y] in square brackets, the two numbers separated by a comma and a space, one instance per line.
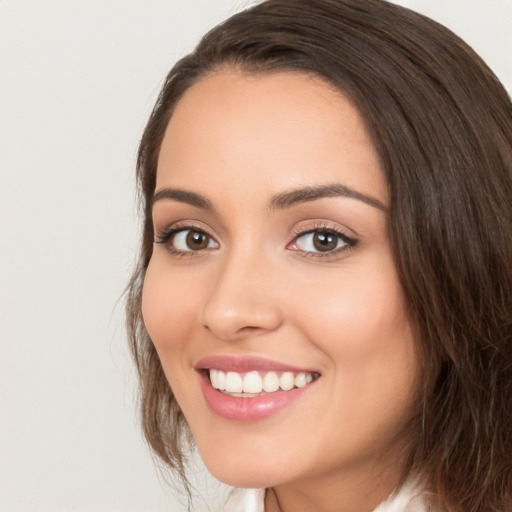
[360, 322]
[169, 311]
[371, 357]
[357, 308]
[167, 308]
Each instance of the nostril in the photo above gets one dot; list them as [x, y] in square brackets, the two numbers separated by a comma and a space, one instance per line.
[231, 332]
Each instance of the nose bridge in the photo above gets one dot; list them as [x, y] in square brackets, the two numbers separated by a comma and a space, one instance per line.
[241, 299]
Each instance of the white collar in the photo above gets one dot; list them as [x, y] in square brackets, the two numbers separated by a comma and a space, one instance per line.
[245, 500]
[407, 499]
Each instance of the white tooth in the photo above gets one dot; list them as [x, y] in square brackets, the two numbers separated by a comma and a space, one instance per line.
[213, 379]
[233, 382]
[270, 382]
[309, 378]
[301, 380]
[221, 380]
[287, 381]
[252, 383]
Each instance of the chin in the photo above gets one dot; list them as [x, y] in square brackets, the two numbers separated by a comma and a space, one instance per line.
[245, 477]
[237, 471]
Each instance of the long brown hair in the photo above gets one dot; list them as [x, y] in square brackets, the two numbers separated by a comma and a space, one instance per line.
[442, 125]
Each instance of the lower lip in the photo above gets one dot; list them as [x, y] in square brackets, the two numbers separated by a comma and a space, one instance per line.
[247, 408]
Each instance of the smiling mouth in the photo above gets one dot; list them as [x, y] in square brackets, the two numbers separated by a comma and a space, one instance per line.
[258, 383]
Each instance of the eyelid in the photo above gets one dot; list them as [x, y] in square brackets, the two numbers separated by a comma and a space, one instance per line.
[164, 235]
[165, 228]
[323, 226]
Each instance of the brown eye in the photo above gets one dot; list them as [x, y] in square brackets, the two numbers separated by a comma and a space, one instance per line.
[188, 240]
[196, 241]
[324, 241]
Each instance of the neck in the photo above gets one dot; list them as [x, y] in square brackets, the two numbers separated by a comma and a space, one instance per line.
[361, 489]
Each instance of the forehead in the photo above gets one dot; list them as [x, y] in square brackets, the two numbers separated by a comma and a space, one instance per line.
[281, 130]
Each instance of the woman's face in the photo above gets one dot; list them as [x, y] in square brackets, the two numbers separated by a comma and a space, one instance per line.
[272, 271]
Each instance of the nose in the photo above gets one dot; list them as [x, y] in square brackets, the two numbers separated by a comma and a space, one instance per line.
[242, 301]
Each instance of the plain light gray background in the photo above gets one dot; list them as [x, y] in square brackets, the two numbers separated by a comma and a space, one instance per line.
[77, 82]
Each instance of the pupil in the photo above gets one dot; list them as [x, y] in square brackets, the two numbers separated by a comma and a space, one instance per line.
[197, 240]
[324, 241]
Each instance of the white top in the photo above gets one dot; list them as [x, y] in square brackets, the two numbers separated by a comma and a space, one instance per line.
[408, 499]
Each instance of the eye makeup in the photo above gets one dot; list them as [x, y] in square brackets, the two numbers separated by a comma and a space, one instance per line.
[321, 240]
[317, 240]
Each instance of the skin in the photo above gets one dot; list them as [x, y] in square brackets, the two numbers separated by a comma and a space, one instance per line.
[259, 289]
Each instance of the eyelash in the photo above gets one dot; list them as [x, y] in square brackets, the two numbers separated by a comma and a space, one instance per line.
[350, 243]
[167, 235]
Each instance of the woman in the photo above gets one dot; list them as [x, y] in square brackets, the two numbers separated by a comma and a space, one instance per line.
[323, 297]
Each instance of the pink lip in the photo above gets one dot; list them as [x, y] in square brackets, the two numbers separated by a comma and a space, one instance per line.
[245, 408]
[245, 364]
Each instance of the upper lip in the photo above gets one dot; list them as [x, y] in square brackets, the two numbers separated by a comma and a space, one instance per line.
[245, 364]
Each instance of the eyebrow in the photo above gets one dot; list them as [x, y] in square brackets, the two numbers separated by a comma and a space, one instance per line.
[306, 194]
[183, 196]
[279, 201]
